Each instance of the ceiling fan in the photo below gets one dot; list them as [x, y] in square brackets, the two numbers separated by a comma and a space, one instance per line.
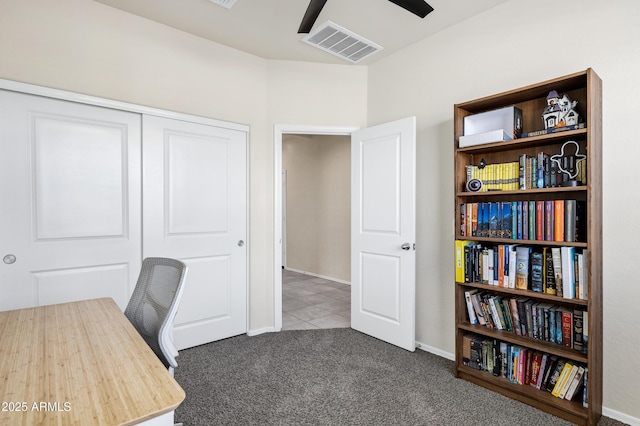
[417, 7]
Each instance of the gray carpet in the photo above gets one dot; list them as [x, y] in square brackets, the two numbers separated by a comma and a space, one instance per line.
[335, 377]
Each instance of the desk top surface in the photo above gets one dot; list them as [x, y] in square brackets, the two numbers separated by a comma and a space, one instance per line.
[79, 363]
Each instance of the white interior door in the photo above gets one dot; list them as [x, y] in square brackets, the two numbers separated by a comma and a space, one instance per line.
[70, 190]
[195, 210]
[383, 232]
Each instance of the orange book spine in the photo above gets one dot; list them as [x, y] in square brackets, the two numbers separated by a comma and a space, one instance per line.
[558, 216]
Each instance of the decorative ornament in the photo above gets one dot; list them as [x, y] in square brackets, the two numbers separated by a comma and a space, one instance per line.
[559, 112]
[474, 185]
[569, 164]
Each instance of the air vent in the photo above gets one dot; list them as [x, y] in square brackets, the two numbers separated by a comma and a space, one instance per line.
[228, 4]
[341, 42]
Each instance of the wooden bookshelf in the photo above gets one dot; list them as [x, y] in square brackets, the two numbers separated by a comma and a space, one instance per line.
[586, 88]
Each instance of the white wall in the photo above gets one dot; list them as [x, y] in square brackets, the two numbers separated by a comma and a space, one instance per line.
[90, 48]
[318, 208]
[515, 44]
[87, 47]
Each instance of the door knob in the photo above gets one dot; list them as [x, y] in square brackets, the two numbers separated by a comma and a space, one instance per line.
[240, 243]
[9, 259]
[406, 246]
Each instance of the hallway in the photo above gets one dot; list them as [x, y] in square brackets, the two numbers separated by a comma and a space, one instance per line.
[310, 302]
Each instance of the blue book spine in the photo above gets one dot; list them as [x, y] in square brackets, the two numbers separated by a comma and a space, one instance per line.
[525, 220]
[506, 220]
[519, 214]
[514, 220]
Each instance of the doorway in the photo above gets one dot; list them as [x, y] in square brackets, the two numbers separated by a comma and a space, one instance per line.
[317, 231]
[301, 266]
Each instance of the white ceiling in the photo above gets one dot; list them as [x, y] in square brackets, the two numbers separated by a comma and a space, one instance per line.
[268, 28]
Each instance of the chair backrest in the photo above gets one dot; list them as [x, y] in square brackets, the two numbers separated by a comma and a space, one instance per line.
[154, 303]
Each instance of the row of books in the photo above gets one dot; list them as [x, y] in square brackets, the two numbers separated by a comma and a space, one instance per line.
[496, 177]
[529, 172]
[559, 271]
[551, 220]
[530, 318]
[562, 378]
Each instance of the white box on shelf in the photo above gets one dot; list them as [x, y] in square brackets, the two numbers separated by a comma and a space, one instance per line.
[502, 124]
[482, 138]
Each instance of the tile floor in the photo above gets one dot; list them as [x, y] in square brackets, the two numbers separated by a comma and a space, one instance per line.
[310, 302]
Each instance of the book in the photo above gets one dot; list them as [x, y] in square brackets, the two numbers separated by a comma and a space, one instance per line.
[552, 363]
[471, 351]
[568, 272]
[506, 310]
[562, 378]
[493, 220]
[532, 220]
[537, 271]
[549, 276]
[536, 361]
[514, 220]
[558, 224]
[583, 268]
[557, 268]
[512, 266]
[470, 309]
[459, 259]
[513, 308]
[542, 371]
[553, 130]
[522, 267]
[585, 389]
[540, 220]
[475, 301]
[497, 321]
[578, 326]
[553, 378]
[525, 220]
[505, 228]
[585, 333]
[570, 220]
[568, 381]
[567, 327]
[548, 220]
[576, 384]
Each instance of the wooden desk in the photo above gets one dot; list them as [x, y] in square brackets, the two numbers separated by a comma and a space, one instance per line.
[80, 363]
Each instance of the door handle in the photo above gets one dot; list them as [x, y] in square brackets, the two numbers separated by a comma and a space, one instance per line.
[240, 243]
[406, 246]
[9, 259]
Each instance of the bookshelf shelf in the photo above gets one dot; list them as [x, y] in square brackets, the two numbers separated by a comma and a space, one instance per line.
[521, 192]
[537, 141]
[585, 87]
[539, 345]
[526, 293]
[569, 410]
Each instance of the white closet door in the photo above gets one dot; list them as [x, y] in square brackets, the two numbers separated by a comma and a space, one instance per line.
[195, 210]
[70, 189]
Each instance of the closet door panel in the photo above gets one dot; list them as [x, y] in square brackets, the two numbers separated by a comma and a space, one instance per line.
[70, 179]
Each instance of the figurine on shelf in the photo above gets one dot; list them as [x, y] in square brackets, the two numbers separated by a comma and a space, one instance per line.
[559, 112]
[569, 164]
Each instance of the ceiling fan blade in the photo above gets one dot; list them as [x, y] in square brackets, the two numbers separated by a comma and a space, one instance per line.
[310, 16]
[417, 7]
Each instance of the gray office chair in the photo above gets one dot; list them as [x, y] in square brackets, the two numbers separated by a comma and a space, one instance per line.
[154, 303]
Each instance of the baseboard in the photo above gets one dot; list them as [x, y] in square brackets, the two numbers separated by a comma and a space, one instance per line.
[318, 276]
[624, 418]
[615, 415]
[258, 331]
[435, 351]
